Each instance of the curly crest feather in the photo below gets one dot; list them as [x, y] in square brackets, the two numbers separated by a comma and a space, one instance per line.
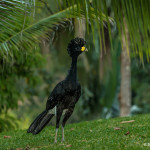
[74, 47]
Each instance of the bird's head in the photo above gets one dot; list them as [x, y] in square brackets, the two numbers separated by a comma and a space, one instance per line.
[76, 47]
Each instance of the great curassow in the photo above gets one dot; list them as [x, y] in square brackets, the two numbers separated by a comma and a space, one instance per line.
[64, 96]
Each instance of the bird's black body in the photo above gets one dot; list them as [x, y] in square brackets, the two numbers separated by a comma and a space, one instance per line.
[64, 96]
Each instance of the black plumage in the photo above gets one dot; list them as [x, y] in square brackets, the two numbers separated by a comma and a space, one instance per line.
[64, 96]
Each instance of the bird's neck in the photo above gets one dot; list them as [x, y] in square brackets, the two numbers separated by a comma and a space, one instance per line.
[72, 73]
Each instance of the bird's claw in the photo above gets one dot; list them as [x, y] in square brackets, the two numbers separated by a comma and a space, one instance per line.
[55, 141]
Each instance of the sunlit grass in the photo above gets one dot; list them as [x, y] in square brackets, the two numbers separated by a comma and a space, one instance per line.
[98, 134]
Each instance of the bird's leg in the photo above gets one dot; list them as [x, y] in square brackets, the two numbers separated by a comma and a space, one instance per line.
[66, 117]
[56, 136]
[58, 116]
[62, 134]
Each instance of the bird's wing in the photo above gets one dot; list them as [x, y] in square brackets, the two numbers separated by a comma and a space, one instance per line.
[55, 96]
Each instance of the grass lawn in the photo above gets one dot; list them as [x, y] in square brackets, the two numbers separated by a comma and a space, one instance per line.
[92, 135]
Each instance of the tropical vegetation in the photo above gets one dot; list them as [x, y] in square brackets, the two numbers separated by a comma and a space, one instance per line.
[33, 58]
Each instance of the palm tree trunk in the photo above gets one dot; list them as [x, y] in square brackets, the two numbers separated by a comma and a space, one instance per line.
[105, 63]
[80, 28]
[125, 93]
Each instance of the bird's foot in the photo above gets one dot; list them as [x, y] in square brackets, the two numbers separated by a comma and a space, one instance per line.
[63, 140]
[55, 141]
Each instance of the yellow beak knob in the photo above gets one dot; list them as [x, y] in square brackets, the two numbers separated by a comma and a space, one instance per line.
[82, 48]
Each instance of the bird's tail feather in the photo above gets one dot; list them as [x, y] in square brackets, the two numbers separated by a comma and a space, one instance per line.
[35, 122]
[40, 122]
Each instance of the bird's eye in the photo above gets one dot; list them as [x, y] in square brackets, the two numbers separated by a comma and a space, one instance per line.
[82, 48]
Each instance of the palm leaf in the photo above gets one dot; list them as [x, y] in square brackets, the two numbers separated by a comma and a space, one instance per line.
[18, 34]
[134, 13]
[137, 17]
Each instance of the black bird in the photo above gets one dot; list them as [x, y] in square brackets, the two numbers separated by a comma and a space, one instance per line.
[64, 96]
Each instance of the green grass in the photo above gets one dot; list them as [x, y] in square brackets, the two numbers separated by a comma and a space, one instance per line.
[98, 134]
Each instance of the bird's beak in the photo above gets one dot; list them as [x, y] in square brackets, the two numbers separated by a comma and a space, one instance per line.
[83, 49]
[86, 50]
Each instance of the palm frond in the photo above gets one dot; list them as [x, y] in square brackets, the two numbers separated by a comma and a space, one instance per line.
[135, 16]
[18, 34]
[133, 13]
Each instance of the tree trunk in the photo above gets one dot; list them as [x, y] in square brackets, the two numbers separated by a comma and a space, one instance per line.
[125, 91]
[105, 63]
[80, 28]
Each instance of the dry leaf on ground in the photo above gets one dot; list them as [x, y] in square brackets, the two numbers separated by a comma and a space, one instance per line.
[117, 128]
[7, 137]
[69, 145]
[127, 121]
[27, 148]
[72, 129]
[127, 133]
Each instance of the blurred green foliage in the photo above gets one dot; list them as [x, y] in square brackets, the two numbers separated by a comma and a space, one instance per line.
[17, 75]
[8, 122]
[141, 85]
